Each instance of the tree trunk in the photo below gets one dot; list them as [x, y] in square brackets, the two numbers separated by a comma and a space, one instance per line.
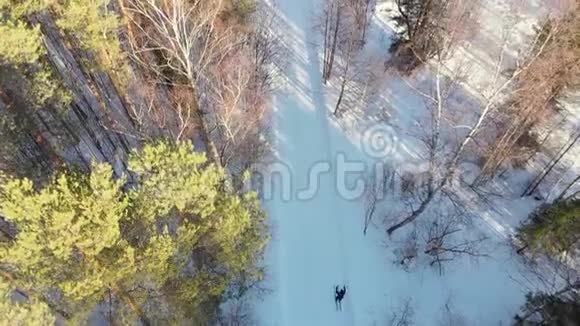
[538, 180]
[570, 185]
[333, 45]
[343, 85]
[424, 204]
[121, 293]
[369, 217]
[326, 51]
[204, 134]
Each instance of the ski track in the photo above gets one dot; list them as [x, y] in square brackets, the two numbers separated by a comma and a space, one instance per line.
[309, 236]
[308, 263]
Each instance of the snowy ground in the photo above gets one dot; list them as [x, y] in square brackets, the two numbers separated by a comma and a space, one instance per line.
[317, 239]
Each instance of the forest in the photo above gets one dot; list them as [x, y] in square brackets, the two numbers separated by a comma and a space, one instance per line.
[193, 162]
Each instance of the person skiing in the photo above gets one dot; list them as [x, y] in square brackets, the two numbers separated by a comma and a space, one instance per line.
[338, 296]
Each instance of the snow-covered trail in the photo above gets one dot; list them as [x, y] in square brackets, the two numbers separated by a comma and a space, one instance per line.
[317, 239]
[307, 237]
[316, 242]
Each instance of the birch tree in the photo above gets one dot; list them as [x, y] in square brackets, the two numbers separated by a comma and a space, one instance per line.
[490, 106]
[240, 102]
[331, 24]
[536, 90]
[227, 64]
[353, 68]
[185, 38]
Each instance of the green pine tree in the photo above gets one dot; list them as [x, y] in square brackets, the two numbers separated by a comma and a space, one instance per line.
[22, 311]
[562, 308]
[89, 24]
[552, 228]
[168, 249]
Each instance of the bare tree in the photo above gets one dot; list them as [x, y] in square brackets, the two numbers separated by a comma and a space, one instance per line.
[548, 168]
[344, 27]
[449, 316]
[405, 314]
[185, 38]
[442, 244]
[236, 312]
[436, 102]
[266, 50]
[376, 189]
[490, 106]
[241, 89]
[536, 90]
[348, 51]
[361, 12]
[360, 82]
[331, 16]
[368, 82]
[220, 71]
[371, 200]
[240, 108]
[407, 254]
[562, 195]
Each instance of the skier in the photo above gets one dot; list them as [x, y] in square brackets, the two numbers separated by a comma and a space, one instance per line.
[338, 296]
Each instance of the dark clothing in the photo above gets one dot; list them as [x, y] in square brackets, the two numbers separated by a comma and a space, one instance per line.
[338, 296]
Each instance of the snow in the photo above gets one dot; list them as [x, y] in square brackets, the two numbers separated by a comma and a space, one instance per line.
[317, 239]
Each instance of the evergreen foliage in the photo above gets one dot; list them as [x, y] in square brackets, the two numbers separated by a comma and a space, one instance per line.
[167, 249]
[420, 36]
[546, 309]
[552, 229]
[95, 27]
[21, 50]
[18, 313]
[20, 43]
[429, 29]
[89, 22]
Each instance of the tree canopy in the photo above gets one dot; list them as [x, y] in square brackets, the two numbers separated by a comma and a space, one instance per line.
[553, 228]
[89, 25]
[166, 248]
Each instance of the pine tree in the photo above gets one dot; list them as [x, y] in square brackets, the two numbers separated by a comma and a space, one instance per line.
[90, 25]
[68, 234]
[95, 27]
[167, 250]
[418, 39]
[21, 51]
[552, 229]
[562, 308]
[430, 28]
[17, 311]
